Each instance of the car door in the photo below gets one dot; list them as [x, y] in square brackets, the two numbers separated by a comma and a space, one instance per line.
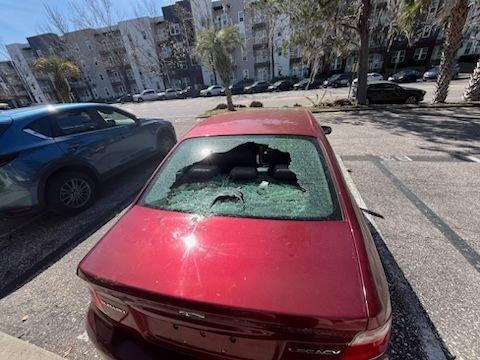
[396, 94]
[374, 93]
[136, 141]
[149, 95]
[81, 136]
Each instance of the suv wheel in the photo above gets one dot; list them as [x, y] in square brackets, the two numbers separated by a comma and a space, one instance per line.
[70, 192]
[140, 100]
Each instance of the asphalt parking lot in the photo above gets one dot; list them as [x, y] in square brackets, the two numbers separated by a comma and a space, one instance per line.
[416, 167]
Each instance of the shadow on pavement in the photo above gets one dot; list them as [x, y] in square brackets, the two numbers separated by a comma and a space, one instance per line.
[27, 251]
[412, 329]
[458, 127]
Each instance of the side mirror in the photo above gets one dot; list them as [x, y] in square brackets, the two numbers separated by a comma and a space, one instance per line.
[326, 129]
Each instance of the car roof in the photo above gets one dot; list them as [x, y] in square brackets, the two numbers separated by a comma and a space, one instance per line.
[33, 112]
[257, 122]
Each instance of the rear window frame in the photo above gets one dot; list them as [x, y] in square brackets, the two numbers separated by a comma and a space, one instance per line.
[337, 214]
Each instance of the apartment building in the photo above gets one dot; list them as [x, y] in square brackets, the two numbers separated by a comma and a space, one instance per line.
[12, 89]
[133, 55]
[263, 56]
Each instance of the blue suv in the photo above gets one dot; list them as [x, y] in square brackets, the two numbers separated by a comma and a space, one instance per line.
[56, 155]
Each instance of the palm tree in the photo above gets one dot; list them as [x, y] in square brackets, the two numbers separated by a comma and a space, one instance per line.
[214, 48]
[472, 92]
[59, 70]
[452, 15]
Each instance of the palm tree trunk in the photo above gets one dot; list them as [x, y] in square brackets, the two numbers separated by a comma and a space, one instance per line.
[363, 52]
[472, 92]
[228, 94]
[453, 36]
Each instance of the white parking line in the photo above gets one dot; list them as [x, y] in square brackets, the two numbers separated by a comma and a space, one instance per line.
[473, 158]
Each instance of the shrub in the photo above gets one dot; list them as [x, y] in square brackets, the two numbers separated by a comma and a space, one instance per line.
[256, 104]
[343, 102]
[221, 106]
[297, 105]
[240, 106]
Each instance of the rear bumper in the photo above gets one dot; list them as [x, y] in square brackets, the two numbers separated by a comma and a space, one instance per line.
[118, 342]
[16, 195]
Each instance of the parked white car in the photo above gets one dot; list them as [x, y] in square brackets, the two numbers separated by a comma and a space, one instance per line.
[213, 90]
[168, 94]
[146, 95]
[373, 76]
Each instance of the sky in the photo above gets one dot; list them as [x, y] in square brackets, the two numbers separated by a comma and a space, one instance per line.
[20, 19]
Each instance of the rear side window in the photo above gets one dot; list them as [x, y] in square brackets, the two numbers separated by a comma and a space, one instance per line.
[76, 122]
[275, 177]
[41, 126]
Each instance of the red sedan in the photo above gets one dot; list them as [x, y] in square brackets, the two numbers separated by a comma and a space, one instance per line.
[245, 244]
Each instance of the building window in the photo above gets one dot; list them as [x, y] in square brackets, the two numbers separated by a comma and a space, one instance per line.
[224, 20]
[89, 45]
[101, 77]
[398, 56]
[352, 62]
[375, 61]
[241, 17]
[427, 31]
[175, 29]
[468, 47]
[144, 35]
[336, 64]
[420, 54]
[107, 92]
[96, 63]
[437, 52]
[245, 73]
[182, 64]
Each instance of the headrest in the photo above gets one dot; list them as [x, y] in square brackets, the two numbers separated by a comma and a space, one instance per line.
[202, 172]
[282, 172]
[243, 173]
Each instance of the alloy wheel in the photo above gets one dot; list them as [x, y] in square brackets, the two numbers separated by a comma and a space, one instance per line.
[75, 193]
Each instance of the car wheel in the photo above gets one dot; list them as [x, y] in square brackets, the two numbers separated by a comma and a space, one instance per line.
[70, 192]
[165, 143]
[411, 100]
[209, 94]
[335, 85]
[140, 100]
[367, 101]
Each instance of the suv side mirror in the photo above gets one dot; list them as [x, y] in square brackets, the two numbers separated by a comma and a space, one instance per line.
[326, 129]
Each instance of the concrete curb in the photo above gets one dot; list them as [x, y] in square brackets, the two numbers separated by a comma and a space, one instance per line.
[13, 348]
[428, 338]
[358, 108]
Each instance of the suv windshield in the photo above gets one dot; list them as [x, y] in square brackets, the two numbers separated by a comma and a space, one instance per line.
[277, 177]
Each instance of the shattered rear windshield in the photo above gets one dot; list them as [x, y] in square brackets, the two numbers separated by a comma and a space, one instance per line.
[275, 177]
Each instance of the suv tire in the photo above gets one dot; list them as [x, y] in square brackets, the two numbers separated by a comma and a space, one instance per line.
[70, 192]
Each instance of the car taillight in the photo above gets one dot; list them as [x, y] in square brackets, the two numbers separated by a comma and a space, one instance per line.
[5, 159]
[110, 306]
[369, 344]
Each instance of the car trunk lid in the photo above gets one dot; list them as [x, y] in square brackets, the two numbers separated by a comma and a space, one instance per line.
[225, 276]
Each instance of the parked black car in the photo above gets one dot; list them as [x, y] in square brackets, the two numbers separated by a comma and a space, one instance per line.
[302, 84]
[257, 87]
[124, 98]
[188, 92]
[239, 86]
[281, 85]
[405, 76]
[338, 80]
[386, 92]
